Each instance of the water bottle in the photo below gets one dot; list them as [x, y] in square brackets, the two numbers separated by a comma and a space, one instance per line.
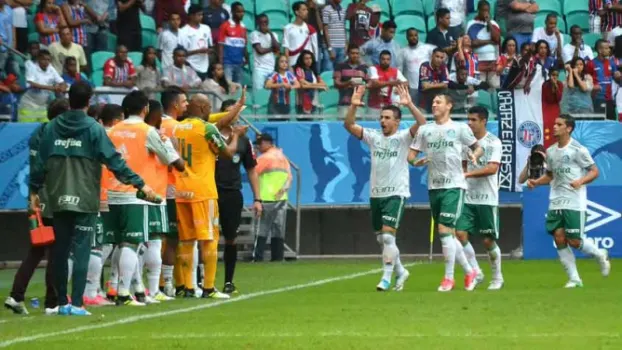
[34, 302]
[142, 195]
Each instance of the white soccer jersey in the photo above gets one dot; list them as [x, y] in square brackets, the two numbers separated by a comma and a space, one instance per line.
[443, 145]
[484, 190]
[568, 164]
[389, 163]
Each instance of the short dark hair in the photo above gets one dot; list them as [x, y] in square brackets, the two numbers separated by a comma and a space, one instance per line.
[170, 96]
[173, 13]
[236, 4]
[134, 103]
[599, 42]
[447, 98]
[411, 29]
[194, 9]
[482, 3]
[575, 26]
[226, 104]
[43, 52]
[57, 107]
[94, 111]
[389, 24]
[296, 6]
[549, 16]
[69, 59]
[397, 113]
[180, 48]
[442, 12]
[353, 47]
[110, 113]
[480, 111]
[258, 17]
[80, 94]
[154, 108]
[385, 52]
[437, 49]
[569, 120]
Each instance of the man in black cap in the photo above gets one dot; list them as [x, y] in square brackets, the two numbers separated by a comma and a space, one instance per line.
[230, 201]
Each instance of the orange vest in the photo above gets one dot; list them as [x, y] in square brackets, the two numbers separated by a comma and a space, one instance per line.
[105, 183]
[131, 141]
[167, 128]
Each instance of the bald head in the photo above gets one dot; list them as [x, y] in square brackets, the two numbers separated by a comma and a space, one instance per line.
[199, 106]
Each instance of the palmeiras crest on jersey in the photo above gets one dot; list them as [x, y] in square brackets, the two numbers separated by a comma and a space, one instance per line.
[529, 134]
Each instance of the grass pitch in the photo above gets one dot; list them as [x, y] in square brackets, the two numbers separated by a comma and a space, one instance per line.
[334, 305]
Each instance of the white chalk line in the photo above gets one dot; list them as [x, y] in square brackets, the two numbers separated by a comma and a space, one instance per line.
[133, 319]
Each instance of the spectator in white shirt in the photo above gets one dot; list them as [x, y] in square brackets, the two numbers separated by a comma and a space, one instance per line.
[265, 44]
[299, 36]
[485, 37]
[576, 48]
[411, 58]
[43, 83]
[550, 33]
[197, 39]
[180, 74]
[457, 9]
[168, 40]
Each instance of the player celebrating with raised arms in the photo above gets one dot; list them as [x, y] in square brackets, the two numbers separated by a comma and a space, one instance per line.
[570, 168]
[389, 179]
[443, 142]
[480, 214]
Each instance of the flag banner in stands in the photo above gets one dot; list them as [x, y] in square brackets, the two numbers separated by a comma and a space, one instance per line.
[334, 165]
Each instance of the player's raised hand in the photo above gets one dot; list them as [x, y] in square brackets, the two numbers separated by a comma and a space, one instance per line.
[405, 98]
[242, 99]
[357, 96]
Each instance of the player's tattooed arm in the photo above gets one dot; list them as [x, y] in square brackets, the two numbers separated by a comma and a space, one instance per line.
[350, 122]
[592, 174]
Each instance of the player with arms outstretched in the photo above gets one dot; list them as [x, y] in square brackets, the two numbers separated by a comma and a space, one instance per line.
[389, 180]
[570, 168]
[480, 214]
[443, 142]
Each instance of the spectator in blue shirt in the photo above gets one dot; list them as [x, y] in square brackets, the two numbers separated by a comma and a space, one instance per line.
[385, 41]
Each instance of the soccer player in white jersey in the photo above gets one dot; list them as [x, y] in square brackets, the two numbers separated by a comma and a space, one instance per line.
[443, 142]
[570, 168]
[480, 214]
[389, 179]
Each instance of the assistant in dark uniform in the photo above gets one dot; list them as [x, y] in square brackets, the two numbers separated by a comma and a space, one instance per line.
[230, 201]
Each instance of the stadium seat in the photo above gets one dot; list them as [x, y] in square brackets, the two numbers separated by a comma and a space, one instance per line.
[484, 99]
[98, 78]
[541, 17]
[33, 37]
[384, 6]
[136, 57]
[261, 97]
[328, 78]
[149, 38]
[32, 28]
[572, 6]
[566, 39]
[247, 78]
[274, 6]
[579, 18]
[278, 20]
[329, 101]
[408, 7]
[405, 22]
[428, 7]
[249, 6]
[99, 58]
[590, 39]
[147, 22]
[249, 21]
[470, 16]
[431, 23]
[550, 6]
[112, 42]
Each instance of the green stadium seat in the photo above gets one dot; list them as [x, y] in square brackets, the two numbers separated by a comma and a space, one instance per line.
[566, 39]
[274, 6]
[590, 39]
[261, 97]
[408, 7]
[98, 78]
[136, 57]
[329, 101]
[431, 23]
[328, 78]
[578, 18]
[550, 6]
[384, 7]
[405, 22]
[278, 20]
[249, 6]
[99, 58]
[572, 6]
[112, 42]
[484, 99]
[249, 21]
[149, 38]
[32, 28]
[33, 37]
[247, 77]
[428, 7]
[146, 22]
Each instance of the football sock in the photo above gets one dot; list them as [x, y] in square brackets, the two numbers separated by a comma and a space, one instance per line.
[449, 254]
[178, 274]
[128, 262]
[589, 248]
[161, 284]
[399, 268]
[566, 256]
[494, 256]
[230, 256]
[210, 260]
[153, 263]
[461, 257]
[389, 254]
[195, 266]
[166, 279]
[185, 259]
[469, 252]
[93, 274]
[69, 268]
[114, 269]
[106, 251]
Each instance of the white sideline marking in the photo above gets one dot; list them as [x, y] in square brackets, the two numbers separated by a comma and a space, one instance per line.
[133, 319]
[2, 321]
[176, 336]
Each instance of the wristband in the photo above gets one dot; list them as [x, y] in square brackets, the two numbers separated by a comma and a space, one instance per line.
[257, 200]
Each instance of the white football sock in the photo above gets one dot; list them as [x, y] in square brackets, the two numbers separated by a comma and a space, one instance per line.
[114, 268]
[167, 275]
[69, 268]
[469, 252]
[589, 248]
[106, 250]
[153, 263]
[461, 257]
[389, 254]
[494, 256]
[566, 256]
[449, 253]
[128, 263]
[195, 265]
[399, 267]
[137, 279]
[93, 274]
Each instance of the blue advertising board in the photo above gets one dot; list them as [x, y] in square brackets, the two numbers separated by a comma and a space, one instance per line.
[334, 165]
[603, 223]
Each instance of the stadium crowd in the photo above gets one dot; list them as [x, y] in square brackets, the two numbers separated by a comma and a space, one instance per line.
[306, 57]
